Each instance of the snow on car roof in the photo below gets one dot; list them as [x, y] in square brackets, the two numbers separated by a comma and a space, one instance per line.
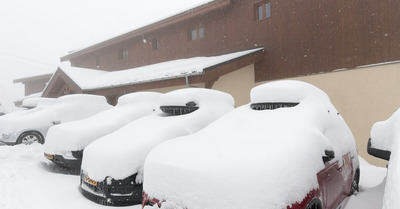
[285, 91]
[138, 97]
[129, 145]
[96, 79]
[248, 155]
[76, 135]
[40, 101]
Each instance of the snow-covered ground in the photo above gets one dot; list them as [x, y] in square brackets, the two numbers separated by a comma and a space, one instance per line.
[29, 181]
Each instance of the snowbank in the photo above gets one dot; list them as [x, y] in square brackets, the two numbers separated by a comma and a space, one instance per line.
[122, 153]
[76, 135]
[248, 155]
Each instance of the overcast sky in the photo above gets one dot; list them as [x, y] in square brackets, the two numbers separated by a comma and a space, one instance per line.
[34, 34]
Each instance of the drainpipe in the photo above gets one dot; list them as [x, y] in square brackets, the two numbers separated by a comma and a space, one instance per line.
[187, 82]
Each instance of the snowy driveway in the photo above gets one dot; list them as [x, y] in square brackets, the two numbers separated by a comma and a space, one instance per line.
[29, 181]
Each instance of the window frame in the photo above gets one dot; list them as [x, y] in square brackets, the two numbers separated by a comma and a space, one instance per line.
[262, 10]
[123, 54]
[196, 33]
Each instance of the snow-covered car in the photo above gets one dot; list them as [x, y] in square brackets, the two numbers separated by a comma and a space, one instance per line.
[32, 125]
[112, 166]
[29, 104]
[65, 143]
[384, 143]
[289, 148]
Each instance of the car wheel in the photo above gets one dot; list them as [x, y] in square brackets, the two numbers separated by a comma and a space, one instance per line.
[314, 204]
[354, 183]
[30, 137]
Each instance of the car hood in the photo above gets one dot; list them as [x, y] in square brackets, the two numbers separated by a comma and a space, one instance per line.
[76, 135]
[122, 153]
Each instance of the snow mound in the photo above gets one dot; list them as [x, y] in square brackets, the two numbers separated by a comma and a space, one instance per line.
[248, 155]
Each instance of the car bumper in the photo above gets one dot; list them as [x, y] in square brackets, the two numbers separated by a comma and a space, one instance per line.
[111, 192]
[72, 164]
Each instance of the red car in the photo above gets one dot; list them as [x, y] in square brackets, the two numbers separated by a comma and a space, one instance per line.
[289, 148]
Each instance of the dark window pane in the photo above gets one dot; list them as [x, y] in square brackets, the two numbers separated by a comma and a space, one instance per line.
[193, 34]
[267, 9]
[260, 12]
[201, 32]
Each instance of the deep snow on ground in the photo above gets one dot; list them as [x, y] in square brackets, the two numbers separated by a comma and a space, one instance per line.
[29, 181]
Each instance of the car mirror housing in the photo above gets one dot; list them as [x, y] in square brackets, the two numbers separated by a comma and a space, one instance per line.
[329, 155]
[56, 122]
[382, 154]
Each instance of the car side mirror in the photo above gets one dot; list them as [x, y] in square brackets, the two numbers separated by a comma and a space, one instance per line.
[329, 155]
[56, 122]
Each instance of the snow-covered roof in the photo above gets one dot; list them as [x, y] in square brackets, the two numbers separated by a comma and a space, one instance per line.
[88, 79]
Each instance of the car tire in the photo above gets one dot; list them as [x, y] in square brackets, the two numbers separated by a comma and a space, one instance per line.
[354, 183]
[30, 137]
[314, 204]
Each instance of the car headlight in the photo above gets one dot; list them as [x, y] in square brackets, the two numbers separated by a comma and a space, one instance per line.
[5, 136]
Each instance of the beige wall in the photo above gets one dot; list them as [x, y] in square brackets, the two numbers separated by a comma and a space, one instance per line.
[238, 84]
[363, 96]
[168, 89]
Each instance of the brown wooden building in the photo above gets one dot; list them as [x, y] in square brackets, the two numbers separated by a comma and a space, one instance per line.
[298, 37]
[34, 84]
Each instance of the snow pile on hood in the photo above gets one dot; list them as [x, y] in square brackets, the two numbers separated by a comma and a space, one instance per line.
[252, 158]
[64, 109]
[122, 153]
[76, 135]
[385, 135]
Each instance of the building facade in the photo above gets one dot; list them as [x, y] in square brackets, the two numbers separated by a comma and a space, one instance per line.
[348, 48]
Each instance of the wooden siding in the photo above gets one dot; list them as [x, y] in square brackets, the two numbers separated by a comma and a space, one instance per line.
[301, 37]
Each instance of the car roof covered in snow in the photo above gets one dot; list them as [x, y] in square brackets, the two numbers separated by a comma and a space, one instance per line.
[251, 154]
[38, 101]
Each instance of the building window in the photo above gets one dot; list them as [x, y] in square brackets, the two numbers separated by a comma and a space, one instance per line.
[155, 44]
[193, 34]
[196, 33]
[201, 32]
[123, 54]
[263, 10]
[98, 61]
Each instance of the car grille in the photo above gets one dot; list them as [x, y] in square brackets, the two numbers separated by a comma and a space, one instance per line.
[272, 106]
